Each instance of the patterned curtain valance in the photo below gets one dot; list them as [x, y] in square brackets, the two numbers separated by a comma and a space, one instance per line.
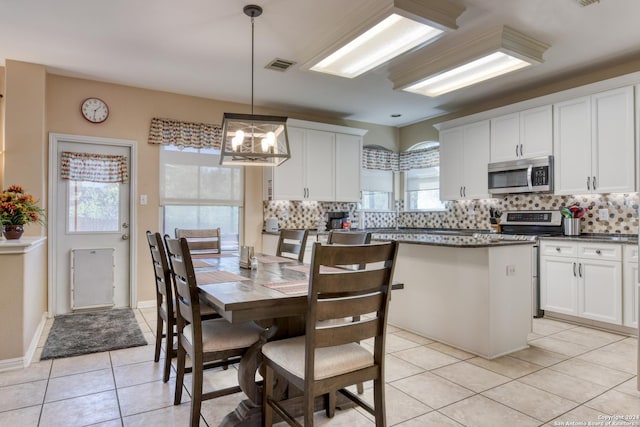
[379, 159]
[419, 159]
[185, 134]
[94, 167]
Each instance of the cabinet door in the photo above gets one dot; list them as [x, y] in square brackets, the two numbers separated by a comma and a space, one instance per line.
[536, 132]
[348, 164]
[630, 294]
[288, 182]
[572, 146]
[559, 285]
[451, 163]
[475, 160]
[613, 159]
[320, 165]
[600, 290]
[505, 138]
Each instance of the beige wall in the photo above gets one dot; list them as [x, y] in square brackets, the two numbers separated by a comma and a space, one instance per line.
[11, 312]
[2, 91]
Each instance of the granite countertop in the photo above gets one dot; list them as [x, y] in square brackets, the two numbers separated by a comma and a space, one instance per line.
[631, 239]
[446, 239]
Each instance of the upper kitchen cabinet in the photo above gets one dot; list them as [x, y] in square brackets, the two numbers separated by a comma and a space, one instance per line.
[324, 165]
[594, 143]
[522, 135]
[464, 155]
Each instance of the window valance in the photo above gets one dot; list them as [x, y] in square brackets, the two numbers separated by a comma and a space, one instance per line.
[418, 159]
[93, 167]
[389, 161]
[185, 134]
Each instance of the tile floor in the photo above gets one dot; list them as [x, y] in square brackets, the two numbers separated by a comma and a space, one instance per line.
[570, 373]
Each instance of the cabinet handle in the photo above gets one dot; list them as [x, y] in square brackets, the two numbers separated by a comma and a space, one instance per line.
[588, 183]
[574, 269]
[580, 269]
[521, 155]
[460, 191]
[464, 191]
[557, 249]
[594, 183]
[598, 251]
[516, 150]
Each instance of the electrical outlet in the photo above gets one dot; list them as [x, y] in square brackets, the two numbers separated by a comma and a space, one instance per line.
[511, 270]
[603, 214]
[143, 199]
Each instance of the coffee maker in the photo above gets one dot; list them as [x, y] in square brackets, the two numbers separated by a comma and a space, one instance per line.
[335, 220]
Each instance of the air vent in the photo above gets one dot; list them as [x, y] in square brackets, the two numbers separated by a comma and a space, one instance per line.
[587, 2]
[279, 64]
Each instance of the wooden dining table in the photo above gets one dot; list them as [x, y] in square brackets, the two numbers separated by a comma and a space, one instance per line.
[274, 295]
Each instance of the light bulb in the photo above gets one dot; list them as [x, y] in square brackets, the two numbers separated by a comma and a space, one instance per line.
[265, 144]
[240, 135]
[235, 142]
[271, 138]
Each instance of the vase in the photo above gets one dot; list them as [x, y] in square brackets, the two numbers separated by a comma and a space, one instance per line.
[12, 231]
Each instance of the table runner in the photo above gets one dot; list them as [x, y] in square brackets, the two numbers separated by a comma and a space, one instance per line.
[209, 277]
[295, 287]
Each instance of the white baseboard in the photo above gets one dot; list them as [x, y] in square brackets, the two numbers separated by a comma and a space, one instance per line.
[23, 362]
[147, 304]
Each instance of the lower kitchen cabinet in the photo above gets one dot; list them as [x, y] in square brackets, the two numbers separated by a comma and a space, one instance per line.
[582, 279]
[630, 286]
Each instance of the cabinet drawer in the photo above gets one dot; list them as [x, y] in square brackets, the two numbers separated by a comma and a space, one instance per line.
[558, 248]
[612, 252]
[630, 253]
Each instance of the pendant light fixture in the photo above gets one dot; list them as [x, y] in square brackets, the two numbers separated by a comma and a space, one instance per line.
[250, 139]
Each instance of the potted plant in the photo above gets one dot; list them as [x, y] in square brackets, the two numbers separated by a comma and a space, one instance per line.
[17, 209]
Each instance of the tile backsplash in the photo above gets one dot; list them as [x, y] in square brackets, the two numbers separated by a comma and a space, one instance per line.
[471, 214]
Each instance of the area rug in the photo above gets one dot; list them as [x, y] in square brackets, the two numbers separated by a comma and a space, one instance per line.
[84, 333]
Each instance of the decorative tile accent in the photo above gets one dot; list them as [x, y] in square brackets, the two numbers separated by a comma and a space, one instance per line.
[468, 214]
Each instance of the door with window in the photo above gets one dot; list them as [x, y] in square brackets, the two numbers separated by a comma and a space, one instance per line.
[91, 220]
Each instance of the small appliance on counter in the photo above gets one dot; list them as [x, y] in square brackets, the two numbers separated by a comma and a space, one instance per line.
[336, 219]
[271, 225]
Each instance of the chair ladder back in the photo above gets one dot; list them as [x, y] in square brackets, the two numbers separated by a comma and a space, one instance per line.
[161, 269]
[186, 289]
[352, 281]
[349, 238]
[347, 333]
[338, 308]
[205, 240]
[292, 242]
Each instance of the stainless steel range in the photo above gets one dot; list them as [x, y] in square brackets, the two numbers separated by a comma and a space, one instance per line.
[530, 225]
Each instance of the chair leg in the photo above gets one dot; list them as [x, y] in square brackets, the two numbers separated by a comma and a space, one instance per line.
[168, 350]
[177, 399]
[330, 404]
[378, 401]
[267, 388]
[196, 389]
[159, 325]
[360, 388]
[308, 409]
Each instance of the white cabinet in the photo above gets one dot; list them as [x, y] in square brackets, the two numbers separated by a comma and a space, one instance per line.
[464, 155]
[324, 165]
[582, 279]
[348, 163]
[594, 143]
[630, 286]
[521, 135]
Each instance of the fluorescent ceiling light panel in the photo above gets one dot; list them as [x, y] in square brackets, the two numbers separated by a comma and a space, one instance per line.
[383, 42]
[398, 26]
[462, 63]
[485, 68]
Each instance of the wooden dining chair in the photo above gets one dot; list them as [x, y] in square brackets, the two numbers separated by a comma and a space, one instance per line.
[292, 243]
[201, 242]
[349, 238]
[328, 357]
[165, 302]
[213, 342]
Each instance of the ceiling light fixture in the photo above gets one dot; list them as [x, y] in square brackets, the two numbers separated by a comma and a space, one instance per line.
[249, 139]
[400, 26]
[492, 54]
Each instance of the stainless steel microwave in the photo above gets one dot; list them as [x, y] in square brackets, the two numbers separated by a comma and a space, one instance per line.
[533, 175]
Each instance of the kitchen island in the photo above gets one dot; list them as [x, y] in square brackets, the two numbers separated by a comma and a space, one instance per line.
[470, 292]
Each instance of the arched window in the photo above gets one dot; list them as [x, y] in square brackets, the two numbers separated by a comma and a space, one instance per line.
[421, 166]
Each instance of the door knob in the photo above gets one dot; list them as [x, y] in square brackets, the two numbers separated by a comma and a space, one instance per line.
[125, 237]
[125, 225]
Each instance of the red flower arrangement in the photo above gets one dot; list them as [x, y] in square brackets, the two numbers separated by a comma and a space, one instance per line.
[18, 208]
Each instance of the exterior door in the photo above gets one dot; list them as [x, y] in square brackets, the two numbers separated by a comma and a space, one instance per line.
[90, 224]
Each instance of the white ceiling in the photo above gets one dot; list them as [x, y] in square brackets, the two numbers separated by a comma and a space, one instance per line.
[203, 48]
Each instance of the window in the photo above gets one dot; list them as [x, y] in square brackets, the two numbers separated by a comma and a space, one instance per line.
[377, 189]
[196, 192]
[422, 183]
[93, 207]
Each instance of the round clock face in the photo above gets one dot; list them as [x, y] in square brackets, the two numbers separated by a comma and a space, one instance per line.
[95, 110]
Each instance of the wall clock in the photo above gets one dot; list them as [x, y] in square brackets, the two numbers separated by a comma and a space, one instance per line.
[95, 110]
